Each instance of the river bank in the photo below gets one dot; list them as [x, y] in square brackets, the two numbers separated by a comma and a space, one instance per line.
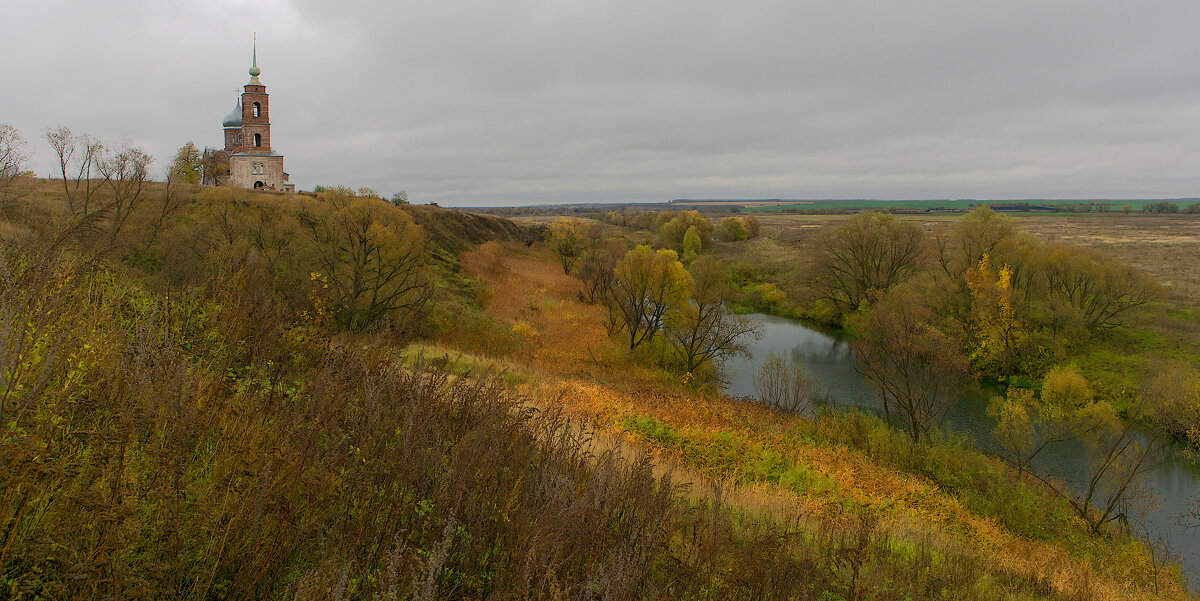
[830, 363]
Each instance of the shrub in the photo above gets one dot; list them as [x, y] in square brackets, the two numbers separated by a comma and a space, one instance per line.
[782, 384]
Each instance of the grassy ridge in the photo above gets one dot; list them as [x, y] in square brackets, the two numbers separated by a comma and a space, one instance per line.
[186, 421]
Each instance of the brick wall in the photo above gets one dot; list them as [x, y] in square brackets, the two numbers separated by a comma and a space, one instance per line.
[242, 171]
[232, 144]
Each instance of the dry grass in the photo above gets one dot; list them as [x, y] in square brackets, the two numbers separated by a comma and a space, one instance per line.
[219, 440]
[558, 332]
[587, 378]
[1165, 246]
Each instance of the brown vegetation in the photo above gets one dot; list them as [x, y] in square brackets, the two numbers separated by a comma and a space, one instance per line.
[203, 399]
[724, 440]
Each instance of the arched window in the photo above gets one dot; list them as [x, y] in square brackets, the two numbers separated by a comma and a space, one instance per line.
[258, 185]
[257, 140]
[257, 110]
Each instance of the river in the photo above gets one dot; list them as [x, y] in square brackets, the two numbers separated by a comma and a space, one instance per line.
[830, 363]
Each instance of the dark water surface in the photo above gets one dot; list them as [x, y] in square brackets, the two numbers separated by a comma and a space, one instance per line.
[830, 363]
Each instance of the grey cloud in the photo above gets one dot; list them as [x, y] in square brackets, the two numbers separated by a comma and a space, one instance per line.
[478, 102]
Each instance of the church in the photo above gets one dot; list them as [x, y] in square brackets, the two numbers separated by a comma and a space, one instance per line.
[247, 153]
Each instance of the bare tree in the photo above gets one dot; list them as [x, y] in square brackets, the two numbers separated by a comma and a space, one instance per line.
[1117, 466]
[78, 161]
[919, 371]
[171, 202]
[125, 170]
[781, 383]
[13, 159]
[596, 268]
[706, 329]
[1192, 452]
[1157, 545]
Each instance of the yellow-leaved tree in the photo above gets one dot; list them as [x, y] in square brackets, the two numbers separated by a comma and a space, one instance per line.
[648, 287]
[1027, 422]
[996, 333]
[373, 256]
[706, 330]
[568, 240]
[1066, 410]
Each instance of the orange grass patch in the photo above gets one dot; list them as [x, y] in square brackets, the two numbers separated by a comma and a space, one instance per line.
[564, 334]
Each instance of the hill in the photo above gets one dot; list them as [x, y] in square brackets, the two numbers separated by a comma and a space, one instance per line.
[217, 393]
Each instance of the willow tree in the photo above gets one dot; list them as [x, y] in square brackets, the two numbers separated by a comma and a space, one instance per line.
[373, 257]
[568, 240]
[597, 266]
[692, 245]
[1028, 422]
[980, 232]
[1091, 289]
[868, 254]
[1066, 410]
[648, 287]
[672, 227]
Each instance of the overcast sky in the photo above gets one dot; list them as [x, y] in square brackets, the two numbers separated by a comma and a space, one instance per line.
[539, 101]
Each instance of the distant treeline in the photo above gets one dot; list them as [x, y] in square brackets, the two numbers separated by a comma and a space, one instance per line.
[895, 207]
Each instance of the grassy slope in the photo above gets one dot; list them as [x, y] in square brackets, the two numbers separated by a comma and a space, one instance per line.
[942, 508]
[949, 495]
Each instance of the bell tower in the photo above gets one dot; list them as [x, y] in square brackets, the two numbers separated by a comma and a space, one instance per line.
[256, 122]
[252, 163]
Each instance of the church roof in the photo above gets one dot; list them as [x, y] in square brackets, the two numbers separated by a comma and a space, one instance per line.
[234, 118]
[251, 152]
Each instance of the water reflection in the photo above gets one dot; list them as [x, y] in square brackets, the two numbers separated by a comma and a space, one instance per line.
[830, 363]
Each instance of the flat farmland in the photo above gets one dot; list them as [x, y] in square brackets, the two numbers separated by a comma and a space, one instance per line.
[1166, 247]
